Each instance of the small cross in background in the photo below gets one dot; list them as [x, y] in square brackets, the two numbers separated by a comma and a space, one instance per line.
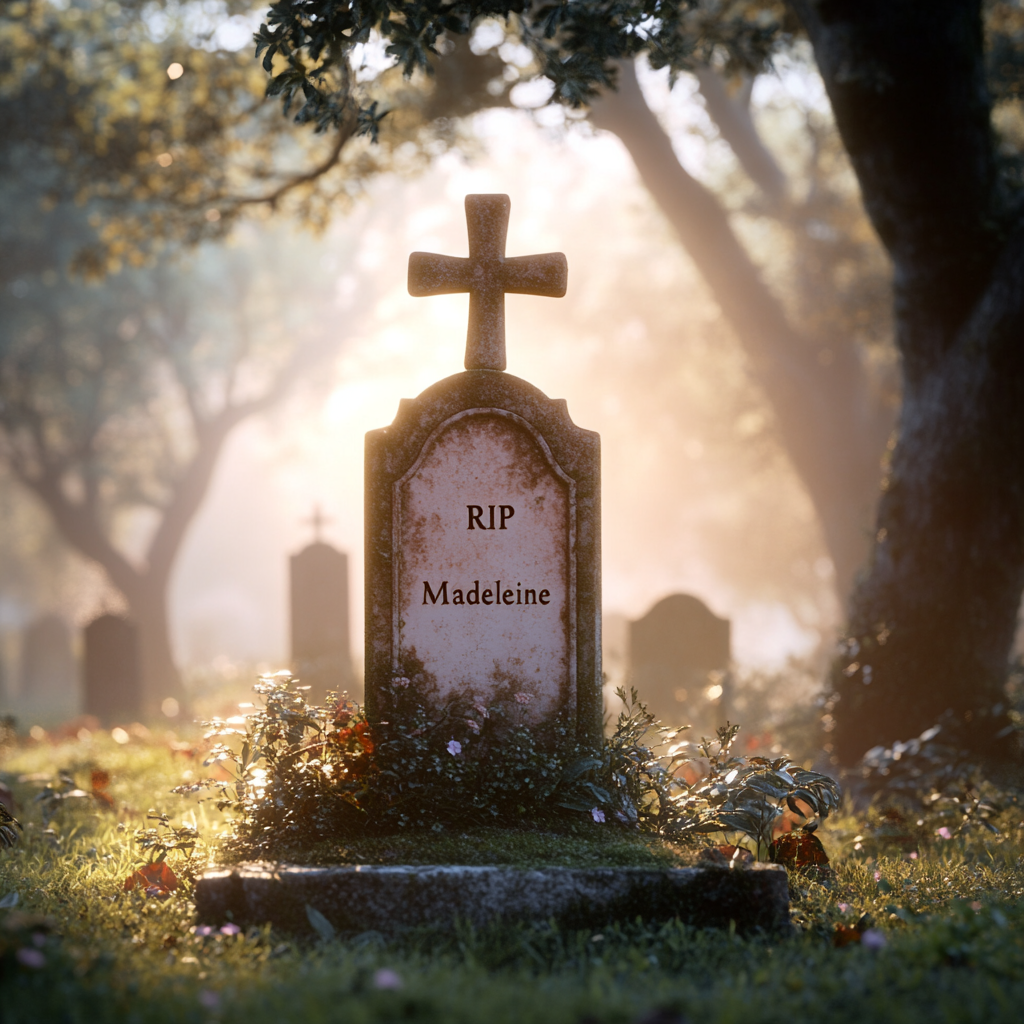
[317, 520]
[488, 275]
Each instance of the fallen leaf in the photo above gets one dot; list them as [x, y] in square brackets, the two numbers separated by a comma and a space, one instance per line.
[100, 781]
[157, 879]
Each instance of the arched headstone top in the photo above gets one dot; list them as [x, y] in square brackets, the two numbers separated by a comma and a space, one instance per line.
[681, 629]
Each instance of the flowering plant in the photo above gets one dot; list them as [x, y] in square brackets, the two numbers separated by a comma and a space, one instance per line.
[304, 772]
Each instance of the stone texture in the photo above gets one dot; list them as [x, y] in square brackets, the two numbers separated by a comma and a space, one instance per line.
[387, 899]
[488, 444]
[488, 275]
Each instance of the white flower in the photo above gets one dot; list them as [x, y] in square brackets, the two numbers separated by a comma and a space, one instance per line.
[597, 814]
[400, 681]
[472, 725]
[482, 710]
[454, 747]
[523, 698]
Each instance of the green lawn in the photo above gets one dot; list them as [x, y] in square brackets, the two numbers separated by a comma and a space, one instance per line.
[76, 947]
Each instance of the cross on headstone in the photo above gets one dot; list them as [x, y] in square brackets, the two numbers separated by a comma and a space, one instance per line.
[317, 520]
[488, 275]
[483, 581]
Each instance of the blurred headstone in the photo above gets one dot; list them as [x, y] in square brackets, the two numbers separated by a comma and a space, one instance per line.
[482, 519]
[321, 654]
[113, 678]
[679, 655]
[49, 675]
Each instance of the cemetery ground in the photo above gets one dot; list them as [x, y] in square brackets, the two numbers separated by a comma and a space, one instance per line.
[943, 939]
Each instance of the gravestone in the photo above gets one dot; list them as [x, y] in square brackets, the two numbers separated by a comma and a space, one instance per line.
[321, 655]
[49, 675]
[483, 582]
[113, 680]
[679, 652]
[483, 517]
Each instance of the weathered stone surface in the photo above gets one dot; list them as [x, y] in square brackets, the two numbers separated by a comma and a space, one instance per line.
[483, 551]
[387, 899]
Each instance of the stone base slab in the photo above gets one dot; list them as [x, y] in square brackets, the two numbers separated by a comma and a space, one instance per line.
[359, 898]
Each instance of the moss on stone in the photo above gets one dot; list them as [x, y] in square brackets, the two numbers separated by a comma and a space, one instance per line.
[575, 846]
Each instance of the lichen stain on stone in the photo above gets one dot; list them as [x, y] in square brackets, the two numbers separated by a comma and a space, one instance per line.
[485, 461]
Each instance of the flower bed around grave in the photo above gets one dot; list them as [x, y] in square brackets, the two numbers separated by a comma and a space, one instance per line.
[475, 784]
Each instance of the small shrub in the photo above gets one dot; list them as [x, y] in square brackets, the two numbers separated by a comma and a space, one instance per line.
[303, 773]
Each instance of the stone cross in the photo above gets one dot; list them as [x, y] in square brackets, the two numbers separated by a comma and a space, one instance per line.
[488, 275]
[318, 521]
[483, 585]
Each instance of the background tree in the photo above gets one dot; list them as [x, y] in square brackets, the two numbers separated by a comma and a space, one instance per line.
[134, 133]
[933, 618]
[117, 402]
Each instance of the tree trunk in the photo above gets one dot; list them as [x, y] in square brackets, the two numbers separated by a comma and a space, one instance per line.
[933, 619]
[828, 419]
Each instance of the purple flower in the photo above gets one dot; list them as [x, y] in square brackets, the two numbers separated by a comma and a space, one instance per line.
[873, 939]
[209, 999]
[387, 980]
[844, 907]
[944, 833]
[597, 814]
[454, 747]
[203, 931]
[230, 929]
[878, 876]
[30, 958]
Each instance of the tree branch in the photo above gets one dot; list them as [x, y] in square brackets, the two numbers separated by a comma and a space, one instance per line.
[737, 127]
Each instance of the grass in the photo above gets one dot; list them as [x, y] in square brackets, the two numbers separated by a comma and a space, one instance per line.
[952, 921]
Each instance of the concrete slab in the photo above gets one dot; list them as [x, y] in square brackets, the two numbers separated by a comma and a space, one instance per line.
[359, 898]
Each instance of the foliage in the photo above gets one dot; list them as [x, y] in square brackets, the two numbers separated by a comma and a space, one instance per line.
[310, 48]
[145, 113]
[924, 792]
[304, 773]
[952, 925]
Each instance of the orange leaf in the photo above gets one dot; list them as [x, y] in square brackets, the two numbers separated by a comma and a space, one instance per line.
[100, 781]
[157, 879]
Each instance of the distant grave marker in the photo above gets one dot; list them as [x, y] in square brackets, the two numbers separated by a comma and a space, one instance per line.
[483, 516]
[113, 680]
[321, 653]
[675, 653]
[49, 675]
